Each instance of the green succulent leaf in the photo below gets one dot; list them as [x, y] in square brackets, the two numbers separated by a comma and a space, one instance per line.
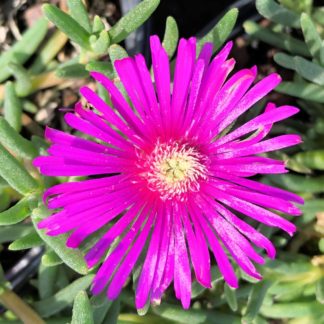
[285, 60]
[297, 183]
[14, 232]
[113, 313]
[72, 71]
[82, 312]
[100, 305]
[311, 159]
[48, 52]
[100, 45]
[292, 310]
[256, 299]
[221, 31]
[5, 199]
[15, 174]
[22, 50]
[305, 68]
[132, 20]
[277, 39]
[298, 6]
[230, 296]
[116, 52]
[193, 316]
[303, 90]
[171, 36]
[98, 25]
[277, 13]
[79, 13]
[15, 214]
[51, 259]
[67, 25]
[47, 277]
[198, 289]
[312, 38]
[15, 142]
[105, 68]
[309, 209]
[12, 106]
[62, 298]
[26, 242]
[71, 257]
[23, 84]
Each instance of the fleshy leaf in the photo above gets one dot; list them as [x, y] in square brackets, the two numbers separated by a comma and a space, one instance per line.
[312, 38]
[71, 257]
[255, 300]
[103, 67]
[16, 213]
[15, 142]
[276, 39]
[230, 295]
[132, 20]
[221, 31]
[100, 44]
[47, 277]
[72, 71]
[82, 312]
[62, 298]
[15, 174]
[298, 183]
[26, 242]
[22, 50]
[171, 36]
[311, 159]
[67, 25]
[277, 13]
[12, 106]
[79, 13]
[51, 259]
[292, 310]
[303, 90]
[14, 232]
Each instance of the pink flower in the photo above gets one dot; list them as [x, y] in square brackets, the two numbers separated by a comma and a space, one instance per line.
[168, 181]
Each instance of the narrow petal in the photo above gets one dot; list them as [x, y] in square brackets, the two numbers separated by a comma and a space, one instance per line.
[260, 90]
[258, 213]
[223, 263]
[128, 264]
[268, 117]
[101, 247]
[275, 143]
[182, 273]
[148, 270]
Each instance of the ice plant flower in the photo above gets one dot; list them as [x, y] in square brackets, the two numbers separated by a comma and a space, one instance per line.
[170, 184]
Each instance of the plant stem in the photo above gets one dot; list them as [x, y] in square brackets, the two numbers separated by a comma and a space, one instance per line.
[14, 303]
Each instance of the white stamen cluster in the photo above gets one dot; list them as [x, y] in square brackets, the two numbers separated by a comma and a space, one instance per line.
[174, 169]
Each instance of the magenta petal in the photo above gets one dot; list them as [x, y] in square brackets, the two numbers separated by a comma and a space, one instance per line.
[198, 251]
[258, 91]
[262, 215]
[182, 273]
[115, 257]
[129, 262]
[148, 270]
[101, 247]
[223, 263]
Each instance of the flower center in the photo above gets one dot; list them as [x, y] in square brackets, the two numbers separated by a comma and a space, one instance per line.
[175, 169]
